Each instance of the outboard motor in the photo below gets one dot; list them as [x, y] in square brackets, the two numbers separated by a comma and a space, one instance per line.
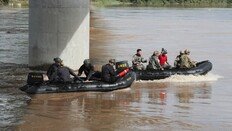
[122, 68]
[35, 78]
[122, 65]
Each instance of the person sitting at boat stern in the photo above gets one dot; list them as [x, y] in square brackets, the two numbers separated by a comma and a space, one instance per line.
[177, 61]
[108, 72]
[154, 62]
[52, 70]
[88, 69]
[64, 74]
[138, 60]
[186, 62]
[163, 58]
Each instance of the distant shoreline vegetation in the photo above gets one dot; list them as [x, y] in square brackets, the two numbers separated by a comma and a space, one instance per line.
[4, 2]
[140, 3]
[14, 3]
[165, 3]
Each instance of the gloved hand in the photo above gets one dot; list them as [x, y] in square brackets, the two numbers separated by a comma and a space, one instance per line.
[76, 78]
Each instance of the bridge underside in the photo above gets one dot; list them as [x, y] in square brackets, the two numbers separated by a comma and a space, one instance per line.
[58, 28]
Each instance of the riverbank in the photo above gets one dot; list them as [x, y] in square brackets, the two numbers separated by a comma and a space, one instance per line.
[141, 3]
[164, 3]
[14, 3]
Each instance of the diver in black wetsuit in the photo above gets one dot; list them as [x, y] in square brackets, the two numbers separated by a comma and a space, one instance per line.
[52, 70]
[88, 69]
[64, 73]
[108, 72]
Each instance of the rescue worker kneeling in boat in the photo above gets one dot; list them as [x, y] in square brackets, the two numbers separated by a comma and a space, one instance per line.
[177, 61]
[138, 60]
[52, 70]
[64, 73]
[154, 63]
[108, 73]
[163, 58]
[88, 70]
[186, 62]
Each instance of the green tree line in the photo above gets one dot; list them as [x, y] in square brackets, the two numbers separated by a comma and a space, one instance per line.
[191, 3]
[15, 3]
[4, 2]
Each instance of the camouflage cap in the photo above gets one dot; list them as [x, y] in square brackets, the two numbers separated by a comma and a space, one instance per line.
[156, 53]
[113, 61]
[181, 52]
[186, 51]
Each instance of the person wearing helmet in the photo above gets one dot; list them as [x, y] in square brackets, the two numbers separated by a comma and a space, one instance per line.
[64, 73]
[88, 70]
[108, 73]
[163, 58]
[177, 61]
[138, 60]
[186, 62]
[154, 63]
[52, 70]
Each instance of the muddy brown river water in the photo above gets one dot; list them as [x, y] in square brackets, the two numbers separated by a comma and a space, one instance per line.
[176, 103]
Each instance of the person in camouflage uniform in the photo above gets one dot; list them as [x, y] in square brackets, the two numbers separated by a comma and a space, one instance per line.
[186, 62]
[177, 61]
[138, 60]
[154, 63]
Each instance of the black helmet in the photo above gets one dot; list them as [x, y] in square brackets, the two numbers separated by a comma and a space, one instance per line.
[57, 60]
[86, 62]
[113, 61]
[164, 51]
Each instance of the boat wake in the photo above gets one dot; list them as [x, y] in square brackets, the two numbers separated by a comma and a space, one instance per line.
[187, 78]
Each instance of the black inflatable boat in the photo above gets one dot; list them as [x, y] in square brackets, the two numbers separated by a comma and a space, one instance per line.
[38, 86]
[202, 68]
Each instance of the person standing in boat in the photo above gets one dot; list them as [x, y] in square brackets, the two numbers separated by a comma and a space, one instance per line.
[52, 70]
[108, 73]
[177, 61]
[138, 60]
[88, 69]
[163, 58]
[154, 62]
[186, 62]
[64, 74]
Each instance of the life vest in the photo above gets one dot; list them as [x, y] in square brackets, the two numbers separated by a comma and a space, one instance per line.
[163, 59]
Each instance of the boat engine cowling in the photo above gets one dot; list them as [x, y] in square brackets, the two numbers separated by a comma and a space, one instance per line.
[122, 65]
[35, 78]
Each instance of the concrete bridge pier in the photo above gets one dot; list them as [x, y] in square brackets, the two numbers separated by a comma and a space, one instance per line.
[58, 28]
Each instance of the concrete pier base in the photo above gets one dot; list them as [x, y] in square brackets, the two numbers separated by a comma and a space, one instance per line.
[58, 28]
